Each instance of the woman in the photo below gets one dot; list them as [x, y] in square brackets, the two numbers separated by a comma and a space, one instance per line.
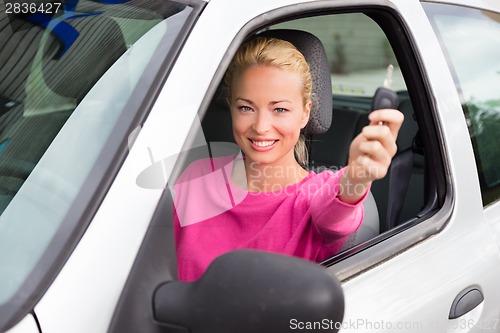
[274, 203]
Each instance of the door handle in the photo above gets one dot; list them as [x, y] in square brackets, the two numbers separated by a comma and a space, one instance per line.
[466, 301]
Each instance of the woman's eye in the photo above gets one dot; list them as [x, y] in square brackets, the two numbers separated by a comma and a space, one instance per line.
[245, 108]
[280, 110]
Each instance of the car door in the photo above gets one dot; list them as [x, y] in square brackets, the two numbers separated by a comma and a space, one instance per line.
[417, 290]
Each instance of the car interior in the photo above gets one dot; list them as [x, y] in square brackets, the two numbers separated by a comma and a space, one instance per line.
[335, 122]
[401, 198]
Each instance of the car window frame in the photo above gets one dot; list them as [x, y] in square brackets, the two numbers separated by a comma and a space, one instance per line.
[431, 221]
[358, 259]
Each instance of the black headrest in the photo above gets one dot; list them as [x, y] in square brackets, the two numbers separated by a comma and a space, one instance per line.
[312, 49]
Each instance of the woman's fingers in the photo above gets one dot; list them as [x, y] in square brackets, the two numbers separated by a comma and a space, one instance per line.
[372, 150]
[388, 117]
[383, 135]
[372, 162]
[366, 169]
[376, 151]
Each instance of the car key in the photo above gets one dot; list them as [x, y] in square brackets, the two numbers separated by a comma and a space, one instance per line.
[385, 97]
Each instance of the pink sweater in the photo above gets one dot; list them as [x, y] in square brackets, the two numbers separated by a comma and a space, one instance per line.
[212, 216]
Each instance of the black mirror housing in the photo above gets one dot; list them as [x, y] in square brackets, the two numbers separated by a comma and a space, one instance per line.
[252, 291]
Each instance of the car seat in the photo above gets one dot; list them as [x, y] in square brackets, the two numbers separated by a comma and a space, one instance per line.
[217, 122]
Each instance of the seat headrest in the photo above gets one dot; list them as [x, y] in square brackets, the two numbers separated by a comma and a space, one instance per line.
[314, 53]
[98, 45]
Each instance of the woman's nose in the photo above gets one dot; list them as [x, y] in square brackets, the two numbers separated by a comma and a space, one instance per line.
[262, 122]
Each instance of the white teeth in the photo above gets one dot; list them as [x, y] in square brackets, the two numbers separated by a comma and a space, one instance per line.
[263, 143]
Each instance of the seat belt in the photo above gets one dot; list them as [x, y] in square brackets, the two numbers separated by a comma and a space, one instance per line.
[400, 174]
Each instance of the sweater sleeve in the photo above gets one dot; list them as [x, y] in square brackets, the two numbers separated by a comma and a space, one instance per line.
[332, 217]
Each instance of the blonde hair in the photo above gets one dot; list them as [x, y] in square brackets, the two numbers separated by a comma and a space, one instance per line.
[280, 54]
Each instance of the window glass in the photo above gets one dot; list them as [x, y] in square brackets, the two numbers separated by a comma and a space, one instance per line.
[65, 85]
[358, 50]
[359, 53]
[471, 40]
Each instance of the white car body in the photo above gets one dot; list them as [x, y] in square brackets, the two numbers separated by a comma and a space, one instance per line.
[405, 283]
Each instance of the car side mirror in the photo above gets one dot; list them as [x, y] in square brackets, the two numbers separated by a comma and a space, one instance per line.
[252, 291]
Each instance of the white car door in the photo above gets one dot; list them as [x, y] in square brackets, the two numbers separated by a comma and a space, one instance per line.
[413, 277]
[454, 255]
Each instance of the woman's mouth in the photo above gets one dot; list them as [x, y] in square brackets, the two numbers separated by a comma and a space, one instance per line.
[262, 145]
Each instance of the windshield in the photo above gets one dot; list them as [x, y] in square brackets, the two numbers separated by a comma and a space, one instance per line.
[69, 78]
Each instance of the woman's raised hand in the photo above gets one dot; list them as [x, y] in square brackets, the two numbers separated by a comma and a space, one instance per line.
[371, 153]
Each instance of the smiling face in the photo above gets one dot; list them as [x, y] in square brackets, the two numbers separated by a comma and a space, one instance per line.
[268, 112]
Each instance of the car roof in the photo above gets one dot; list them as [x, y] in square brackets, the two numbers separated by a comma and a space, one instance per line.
[493, 5]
